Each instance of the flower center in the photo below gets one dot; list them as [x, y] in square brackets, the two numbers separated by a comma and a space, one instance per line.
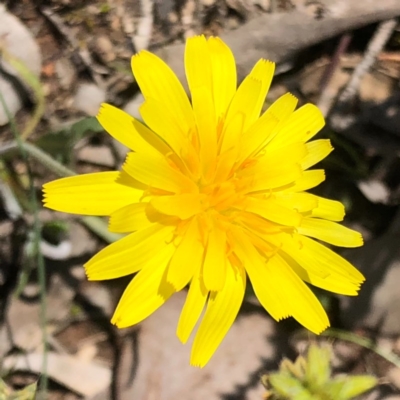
[219, 197]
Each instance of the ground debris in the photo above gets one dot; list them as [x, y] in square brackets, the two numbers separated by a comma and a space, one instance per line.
[85, 379]
[86, 51]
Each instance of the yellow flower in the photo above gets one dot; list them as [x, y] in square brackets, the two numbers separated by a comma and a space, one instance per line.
[212, 192]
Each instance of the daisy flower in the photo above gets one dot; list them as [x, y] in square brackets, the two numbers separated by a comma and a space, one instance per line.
[214, 192]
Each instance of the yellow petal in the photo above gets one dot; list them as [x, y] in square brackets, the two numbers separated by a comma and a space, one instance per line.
[279, 289]
[125, 179]
[271, 209]
[89, 194]
[159, 119]
[294, 152]
[147, 291]
[156, 172]
[255, 265]
[318, 260]
[276, 176]
[221, 311]
[200, 68]
[267, 126]
[129, 131]
[262, 71]
[198, 63]
[247, 103]
[300, 300]
[333, 282]
[311, 205]
[223, 70]
[225, 163]
[301, 126]
[157, 81]
[182, 206]
[134, 217]
[129, 218]
[129, 254]
[330, 232]
[328, 209]
[215, 260]
[317, 150]
[269, 166]
[307, 180]
[203, 109]
[240, 113]
[194, 304]
[210, 64]
[300, 202]
[187, 258]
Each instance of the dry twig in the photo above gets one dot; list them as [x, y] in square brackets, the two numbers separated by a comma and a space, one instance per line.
[280, 36]
[142, 37]
[83, 53]
[375, 46]
[341, 119]
[326, 97]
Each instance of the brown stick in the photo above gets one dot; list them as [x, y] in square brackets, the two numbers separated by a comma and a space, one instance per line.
[279, 36]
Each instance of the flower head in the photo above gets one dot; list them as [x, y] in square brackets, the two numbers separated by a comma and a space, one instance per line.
[213, 192]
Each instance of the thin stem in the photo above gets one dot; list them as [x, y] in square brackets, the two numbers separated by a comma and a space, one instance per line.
[33, 82]
[95, 224]
[99, 227]
[363, 342]
[38, 154]
[37, 239]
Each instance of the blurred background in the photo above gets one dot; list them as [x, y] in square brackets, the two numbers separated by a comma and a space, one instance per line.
[59, 60]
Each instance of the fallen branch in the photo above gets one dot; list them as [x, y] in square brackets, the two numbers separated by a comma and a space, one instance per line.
[341, 119]
[376, 45]
[278, 37]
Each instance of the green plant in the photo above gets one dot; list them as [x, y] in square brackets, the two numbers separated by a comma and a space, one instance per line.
[27, 393]
[310, 378]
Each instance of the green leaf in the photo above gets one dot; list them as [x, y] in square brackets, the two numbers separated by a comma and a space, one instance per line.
[297, 369]
[4, 390]
[289, 387]
[318, 366]
[352, 386]
[27, 393]
[55, 231]
[90, 124]
[333, 389]
[60, 144]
